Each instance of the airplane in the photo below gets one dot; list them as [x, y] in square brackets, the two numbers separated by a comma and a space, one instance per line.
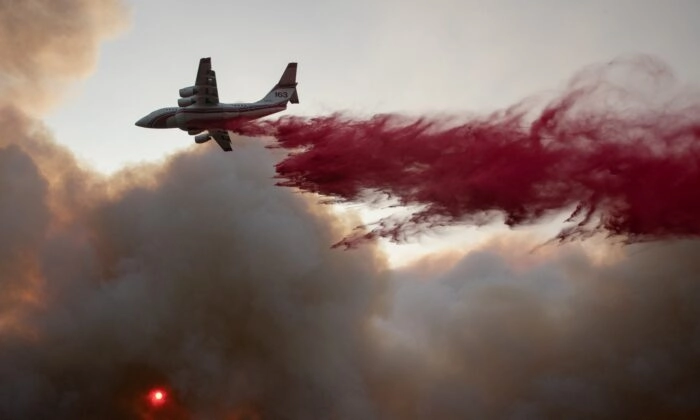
[200, 113]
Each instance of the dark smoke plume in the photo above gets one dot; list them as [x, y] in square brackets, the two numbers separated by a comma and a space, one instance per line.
[201, 278]
[620, 149]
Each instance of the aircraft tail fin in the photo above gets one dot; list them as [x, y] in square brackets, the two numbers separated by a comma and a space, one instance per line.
[289, 77]
[286, 89]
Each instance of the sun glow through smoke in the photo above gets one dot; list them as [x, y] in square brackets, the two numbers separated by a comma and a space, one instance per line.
[157, 397]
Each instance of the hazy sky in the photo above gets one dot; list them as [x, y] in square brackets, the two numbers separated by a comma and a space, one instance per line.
[361, 56]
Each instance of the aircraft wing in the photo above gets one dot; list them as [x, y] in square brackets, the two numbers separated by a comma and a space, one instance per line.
[222, 138]
[207, 91]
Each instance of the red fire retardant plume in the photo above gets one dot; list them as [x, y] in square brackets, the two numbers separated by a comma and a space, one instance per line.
[620, 149]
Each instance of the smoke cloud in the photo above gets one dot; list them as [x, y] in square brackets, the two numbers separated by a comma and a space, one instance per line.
[618, 149]
[45, 44]
[560, 334]
[199, 277]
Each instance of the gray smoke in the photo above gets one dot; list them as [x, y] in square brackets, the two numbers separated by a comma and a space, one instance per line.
[45, 44]
[200, 276]
[203, 278]
[507, 334]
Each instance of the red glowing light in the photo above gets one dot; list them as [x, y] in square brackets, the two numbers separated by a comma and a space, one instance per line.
[157, 397]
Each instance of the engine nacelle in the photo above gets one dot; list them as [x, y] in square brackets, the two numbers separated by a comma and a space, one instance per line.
[194, 131]
[183, 102]
[202, 138]
[188, 91]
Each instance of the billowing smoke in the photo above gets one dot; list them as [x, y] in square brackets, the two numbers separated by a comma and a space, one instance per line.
[620, 149]
[45, 44]
[199, 277]
[196, 289]
[559, 334]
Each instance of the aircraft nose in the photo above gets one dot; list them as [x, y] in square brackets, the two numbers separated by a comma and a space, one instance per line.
[143, 122]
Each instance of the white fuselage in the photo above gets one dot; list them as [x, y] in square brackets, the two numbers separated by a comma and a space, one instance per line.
[220, 117]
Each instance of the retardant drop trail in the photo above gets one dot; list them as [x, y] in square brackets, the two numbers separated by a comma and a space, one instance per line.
[621, 147]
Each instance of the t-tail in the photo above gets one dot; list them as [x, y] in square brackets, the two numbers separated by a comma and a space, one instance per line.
[286, 89]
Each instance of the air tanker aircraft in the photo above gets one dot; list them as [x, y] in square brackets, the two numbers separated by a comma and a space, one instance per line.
[199, 108]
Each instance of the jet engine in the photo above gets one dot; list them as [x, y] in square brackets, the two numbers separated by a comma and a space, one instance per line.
[188, 91]
[202, 138]
[183, 102]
